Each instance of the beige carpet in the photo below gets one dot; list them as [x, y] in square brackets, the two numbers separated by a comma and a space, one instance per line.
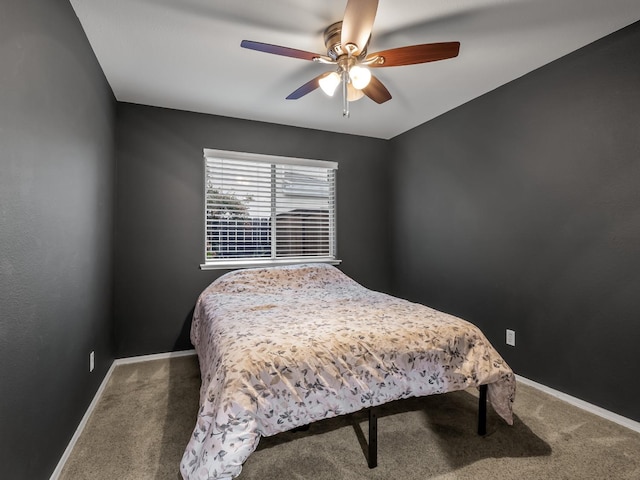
[144, 419]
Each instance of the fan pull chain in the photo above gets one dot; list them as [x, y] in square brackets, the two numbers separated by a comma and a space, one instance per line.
[345, 99]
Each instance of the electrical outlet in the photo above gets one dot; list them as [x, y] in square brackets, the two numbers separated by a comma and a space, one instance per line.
[92, 361]
[511, 338]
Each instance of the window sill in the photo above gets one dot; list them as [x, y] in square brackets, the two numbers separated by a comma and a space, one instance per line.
[256, 263]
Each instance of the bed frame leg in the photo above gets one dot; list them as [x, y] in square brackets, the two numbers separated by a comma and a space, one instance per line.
[372, 459]
[482, 411]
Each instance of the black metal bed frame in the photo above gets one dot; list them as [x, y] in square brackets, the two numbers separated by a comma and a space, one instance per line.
[372, 454]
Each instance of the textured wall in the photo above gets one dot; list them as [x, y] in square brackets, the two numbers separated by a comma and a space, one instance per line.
[56, 189]
[159, 216]
[521, 210]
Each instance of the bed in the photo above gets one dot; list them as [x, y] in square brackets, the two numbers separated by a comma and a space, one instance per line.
[283, 347]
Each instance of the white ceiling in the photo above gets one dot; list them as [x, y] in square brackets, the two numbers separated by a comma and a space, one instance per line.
[186, 54]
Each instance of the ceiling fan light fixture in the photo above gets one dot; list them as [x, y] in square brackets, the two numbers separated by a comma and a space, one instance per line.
[329, 83]
[360, 76]
[347, 42]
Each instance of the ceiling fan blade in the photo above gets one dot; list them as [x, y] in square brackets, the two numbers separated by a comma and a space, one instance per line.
[376, 91]
[428, 52]
[308, 87]
[278, 50]
[357, 23]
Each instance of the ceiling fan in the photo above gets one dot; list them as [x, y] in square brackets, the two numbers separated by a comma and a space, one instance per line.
[346, 44]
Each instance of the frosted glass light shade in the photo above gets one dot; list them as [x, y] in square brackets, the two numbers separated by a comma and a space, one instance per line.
[329, 83]
[360, 76]
[354, 94]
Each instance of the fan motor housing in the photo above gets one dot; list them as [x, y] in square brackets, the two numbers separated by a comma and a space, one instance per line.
[333, 42]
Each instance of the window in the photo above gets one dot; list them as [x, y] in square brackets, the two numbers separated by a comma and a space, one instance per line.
[268, 210]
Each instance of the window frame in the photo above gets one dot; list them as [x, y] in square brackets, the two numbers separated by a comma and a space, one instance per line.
[274, 260]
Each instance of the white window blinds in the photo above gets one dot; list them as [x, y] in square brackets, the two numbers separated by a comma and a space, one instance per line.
[261, 209]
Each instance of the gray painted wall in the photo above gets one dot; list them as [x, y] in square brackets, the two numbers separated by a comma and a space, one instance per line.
[56, 188]
[521, 210]
[160, 217]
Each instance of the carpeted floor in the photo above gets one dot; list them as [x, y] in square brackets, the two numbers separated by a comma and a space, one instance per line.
[146, 414]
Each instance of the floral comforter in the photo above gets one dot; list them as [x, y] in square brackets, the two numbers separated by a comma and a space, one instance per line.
[286, 346]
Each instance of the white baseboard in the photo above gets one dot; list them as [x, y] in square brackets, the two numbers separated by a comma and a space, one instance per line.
[119, 361]
[82, 424]
[155, 356]
[601, 412]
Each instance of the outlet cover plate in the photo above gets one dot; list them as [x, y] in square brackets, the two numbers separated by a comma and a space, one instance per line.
[511, 338]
